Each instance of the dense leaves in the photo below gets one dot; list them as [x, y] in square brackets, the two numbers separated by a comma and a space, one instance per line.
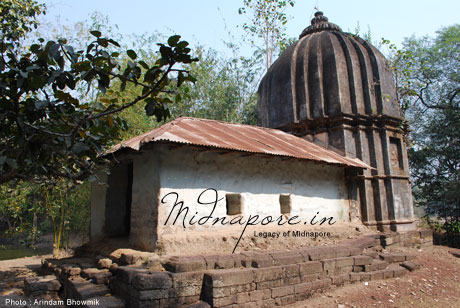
[432, 86]
[28, 210]
[48, 130]
[18, 18]
[19, 211]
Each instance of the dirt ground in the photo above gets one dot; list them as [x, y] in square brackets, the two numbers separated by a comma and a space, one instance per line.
[435, 284]
[12, 275]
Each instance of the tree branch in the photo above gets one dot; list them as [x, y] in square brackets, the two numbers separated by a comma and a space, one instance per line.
[135, 101]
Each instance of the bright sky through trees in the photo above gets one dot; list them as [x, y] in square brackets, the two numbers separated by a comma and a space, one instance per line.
[203, 21]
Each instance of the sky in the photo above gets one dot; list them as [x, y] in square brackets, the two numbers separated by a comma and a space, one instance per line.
[208, 22]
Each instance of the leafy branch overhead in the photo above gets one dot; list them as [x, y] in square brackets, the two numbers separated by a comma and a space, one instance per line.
[58, 105]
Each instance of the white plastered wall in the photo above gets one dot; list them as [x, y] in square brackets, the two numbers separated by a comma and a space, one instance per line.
[314, 187]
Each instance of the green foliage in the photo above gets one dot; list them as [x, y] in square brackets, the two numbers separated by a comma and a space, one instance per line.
[26, 207]
[28, 210]
[18, 18]
[135, 119]
[224, 90]
[267, 22]
[73, 100]
[366, 35]
[434, 111]
[67, 206]
[48, 130]
[452, 227]
[19, 213]
[285, 43]
[401, 62]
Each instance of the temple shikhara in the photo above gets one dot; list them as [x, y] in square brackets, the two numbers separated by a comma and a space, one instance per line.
[335, 89]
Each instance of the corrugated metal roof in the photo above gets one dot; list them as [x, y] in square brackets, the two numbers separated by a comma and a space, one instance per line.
[237, 137]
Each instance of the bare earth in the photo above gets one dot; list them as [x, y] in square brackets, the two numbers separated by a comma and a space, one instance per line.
[12, 274]
[435, 284]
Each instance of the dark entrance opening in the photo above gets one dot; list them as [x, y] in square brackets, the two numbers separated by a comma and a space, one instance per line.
[118, 200]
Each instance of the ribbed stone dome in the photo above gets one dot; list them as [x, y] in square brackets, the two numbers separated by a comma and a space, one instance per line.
[326, 73]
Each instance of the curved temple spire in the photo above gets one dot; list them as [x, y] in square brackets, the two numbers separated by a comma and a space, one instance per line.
[336, 89]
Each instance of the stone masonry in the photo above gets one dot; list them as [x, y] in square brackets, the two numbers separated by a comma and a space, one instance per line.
[248, 279]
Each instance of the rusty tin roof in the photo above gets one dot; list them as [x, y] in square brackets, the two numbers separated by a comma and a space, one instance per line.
[237, 137]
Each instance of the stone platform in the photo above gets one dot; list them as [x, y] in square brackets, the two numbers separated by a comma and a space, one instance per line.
[135, 279]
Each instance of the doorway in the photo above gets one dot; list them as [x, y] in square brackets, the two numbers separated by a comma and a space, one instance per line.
[118, 200]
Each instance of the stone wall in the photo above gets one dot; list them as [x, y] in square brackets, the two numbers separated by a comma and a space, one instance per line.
[136, 279]
[336, 89]
[265, 278]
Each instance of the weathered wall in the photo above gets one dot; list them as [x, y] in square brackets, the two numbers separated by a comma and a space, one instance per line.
[98, 197]
[337, 89]
[383, 191]
[260, 180]
[314, 189]
[144, 206]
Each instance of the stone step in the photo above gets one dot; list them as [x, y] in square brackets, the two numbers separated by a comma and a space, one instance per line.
[397, 270]
[97, 276]
[124, 256]
[81, 292]
[78, 292]
[376, 265]
[104, 263]
[39, 285]
[79, 288]
[371, 253]
[455, 252]
[396, 257]
[411, 266]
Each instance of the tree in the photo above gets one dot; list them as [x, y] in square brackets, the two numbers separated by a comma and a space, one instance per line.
[47, 129]
[225, 89]
[401, 63]
[434, 94]
[268, 20]
[19, 211]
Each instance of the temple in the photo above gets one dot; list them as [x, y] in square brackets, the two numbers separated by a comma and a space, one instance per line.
[336, 89]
